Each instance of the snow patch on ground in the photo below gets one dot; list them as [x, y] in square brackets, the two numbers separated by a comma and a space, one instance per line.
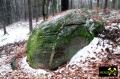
[92, 50]
[16, 32]
[24, 66]
[4, 69]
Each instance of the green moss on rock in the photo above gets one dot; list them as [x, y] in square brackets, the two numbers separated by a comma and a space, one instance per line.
[55, 42]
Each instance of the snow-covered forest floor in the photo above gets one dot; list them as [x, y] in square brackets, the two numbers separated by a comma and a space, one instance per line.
[84, 65]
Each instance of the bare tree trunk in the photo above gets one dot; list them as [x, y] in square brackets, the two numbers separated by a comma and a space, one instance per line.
[4, 28]
[36, 10]
[8, 12]
[119, 4]
[25, 12]
[71, 4]
[91, 4]
[98, 3]
[113, 4]
[97, 6]
[30, 15]
[54, 7]
[43, 10]
[105, 6]
[4, 16]
[4, 22]
[64, 5]
[47, 5]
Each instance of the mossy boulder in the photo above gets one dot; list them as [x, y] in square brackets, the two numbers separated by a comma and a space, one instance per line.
[55, 41]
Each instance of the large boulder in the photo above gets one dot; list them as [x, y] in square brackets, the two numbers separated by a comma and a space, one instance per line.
[55, 41]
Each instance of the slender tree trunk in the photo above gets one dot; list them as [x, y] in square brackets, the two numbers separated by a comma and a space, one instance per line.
[36, 10]
[47, 5]
[91, 4]
[71, 4]
[17, 11]
[43, 10]
[25, 12]
[53, 10]
[30, 15]
[4, 14]
[8, 12]
[54, 7]
[4, 22]
[113, 4]
[119, 4]
[4, 28]
[98, 3]
[105, 6]
[97, 7]
[64, 5]
[82, 3]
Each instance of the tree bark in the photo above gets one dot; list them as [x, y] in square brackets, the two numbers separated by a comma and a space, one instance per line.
[118, 4]
[71, 4]
[54, 5]
[8, 12]
[36, 10]
[113, 4]
[4, 21]
[91, 4]
[25, 12]
[98, 6]
[105, 6]
[30, 15]
[43, 9]
[64, 5]
[98, 3]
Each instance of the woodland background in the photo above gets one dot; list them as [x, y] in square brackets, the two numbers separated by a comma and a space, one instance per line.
[16, 10]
